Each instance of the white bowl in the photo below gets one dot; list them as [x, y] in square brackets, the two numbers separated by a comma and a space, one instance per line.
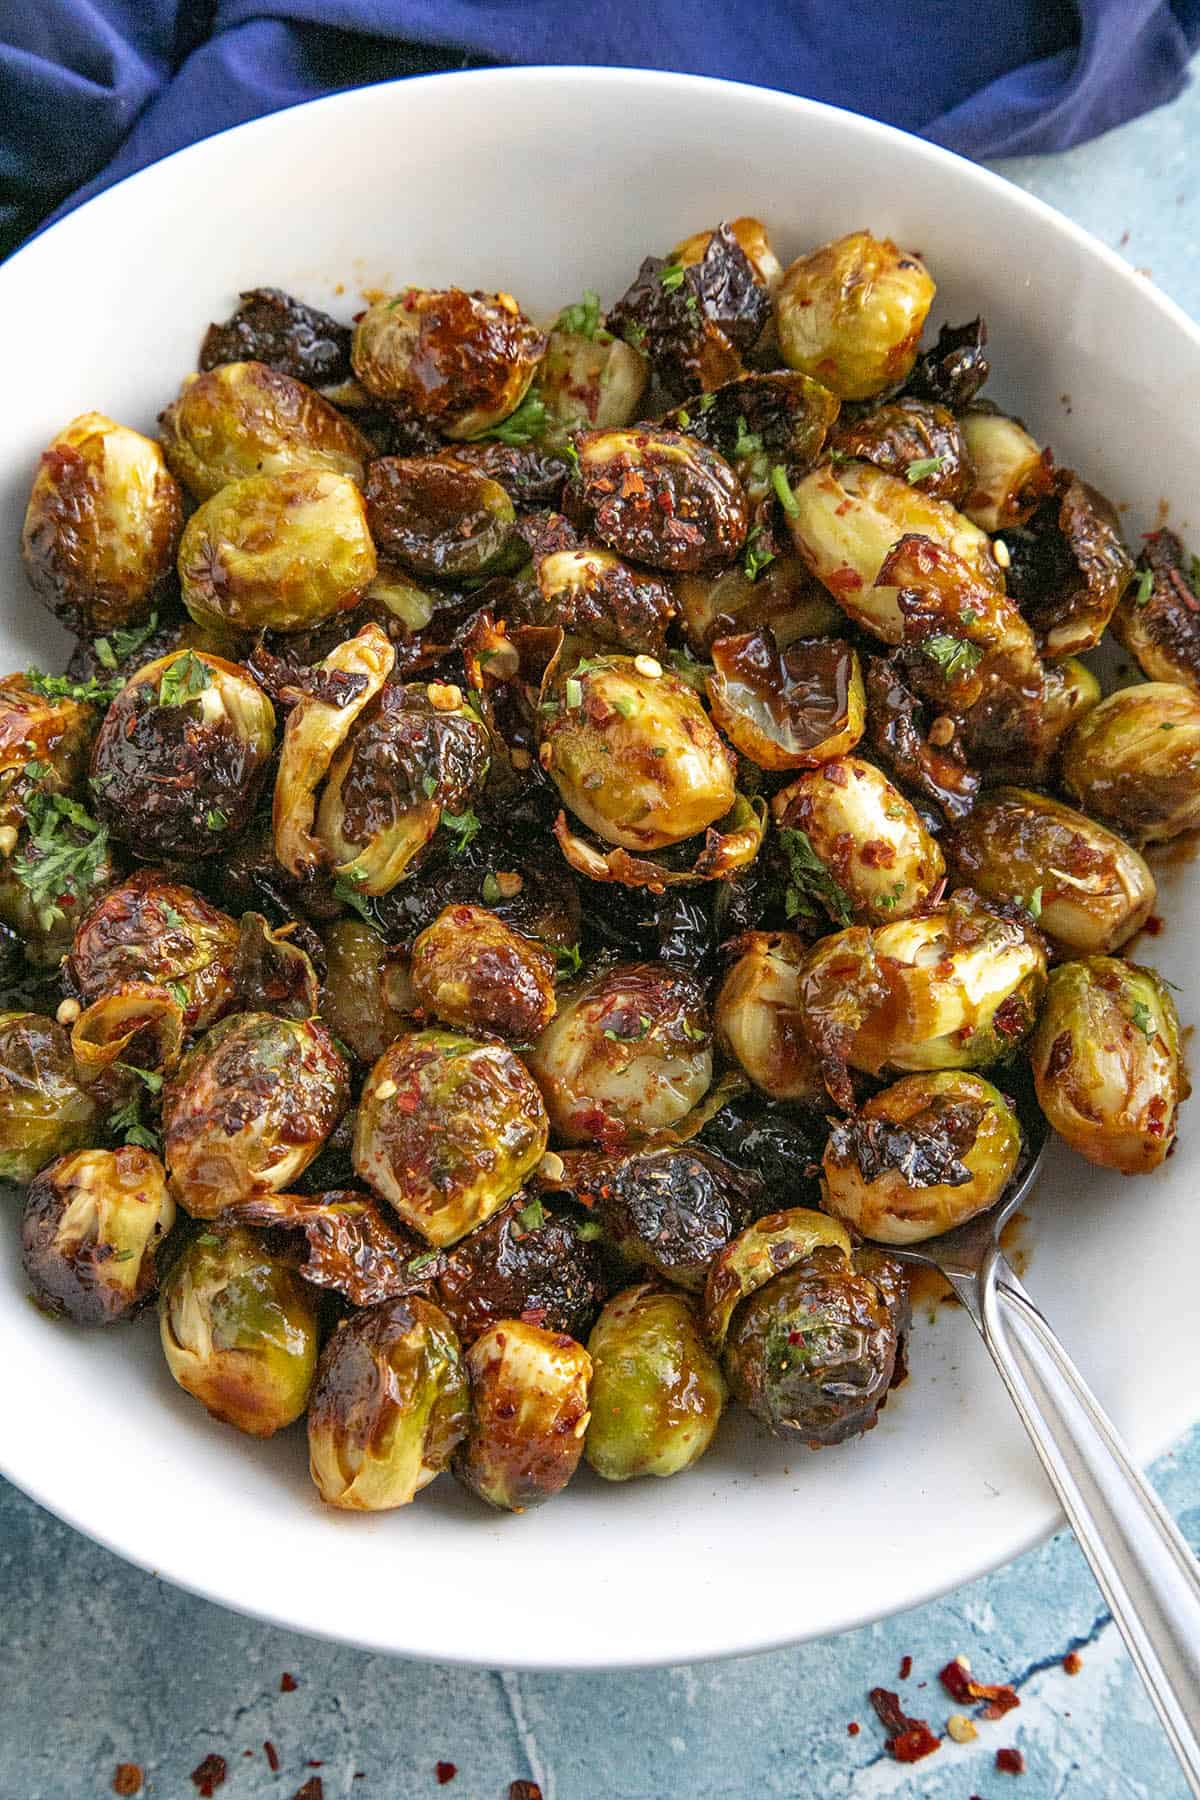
[544, 181]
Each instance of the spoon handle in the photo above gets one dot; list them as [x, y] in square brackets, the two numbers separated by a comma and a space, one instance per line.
[1145, 1569]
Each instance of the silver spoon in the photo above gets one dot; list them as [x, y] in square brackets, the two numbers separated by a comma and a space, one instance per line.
[1145, 1569]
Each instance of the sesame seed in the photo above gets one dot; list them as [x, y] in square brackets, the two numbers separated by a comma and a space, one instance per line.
[509, 883]
[68, 1012]
[961, 1728]
[941, 732]
[444, 696]
[386, 1090]
[1000, 552]
[552, 1166]
[647, 666]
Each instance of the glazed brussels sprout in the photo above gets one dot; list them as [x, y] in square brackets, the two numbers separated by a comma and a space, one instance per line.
[657, 1389]
[239, 1331]
[670, 1210]
[471, 970]
[1106, 1062]
[527, 1262]
[761, 423]
[441, 518]
[102, 525]
[93, 1222]
[594, 594]
[588, 379]
[244, 419]
[773, 1243]
[153, 930]
[922, 443]
[249, 1108]
[447, 1129]
[782, 595]
[864, 834]
[1135, 759]
[752, 239]
[62, 861]
[1157, 619]
[759, 1016]
[697, 313]
[181, 756]
[900, 728]
[954, 369]
[44, 745]
[633, 753]
[44, 1112]
[1069, 691]
[659, 497]
[1068, 566]
[851, 314]
[531, 474]
[270, 327]
[1088, 890]
[355, 1000]
[529, 1413]
[921, 1157]
[463, 362]
[628, 1053]
[388, 1408]
[279, 552]
[791, 708]
[1012, 472]
[771, 1141]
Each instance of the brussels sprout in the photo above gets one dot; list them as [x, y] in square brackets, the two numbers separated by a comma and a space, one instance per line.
[154, 930]
[1087, 889]
[629, 1053]
[773, 1243]
[539, 897]
[751, 237]
[851, 314]
[921, 1157]
[471, 970]
[447, 1129]
[865, 835]
[1012, 472]
[1106, 1062]
[102, 525]
[657, 1389]
[899, 730]
[1069, 690]
[93, 1221]
[772, 1141]
[62, 861]
[782, 595]
[659, 497]
[44, 743]
[787, 709]
[354, 1002]
[274, 972]
[695, 317]
[527, 1262]
[1135, 759]
[529, 1413]
[1157, 619]
[588, 381]
[1067, 567]
[133, 1030]
[462, 361]
[952, 372]
[729, 846]
[239, 1331]
[181, 756]
[441, 518]
[249, 1108]
[759, 1018]
[43, 1110]
[532, 475]
[759, 423]
[593, 593]
[280, 552]
[272, 328]
[670, 1210]
[923, 443]
[633, 753]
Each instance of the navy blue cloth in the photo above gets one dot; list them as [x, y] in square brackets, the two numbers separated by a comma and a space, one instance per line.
[91, 90]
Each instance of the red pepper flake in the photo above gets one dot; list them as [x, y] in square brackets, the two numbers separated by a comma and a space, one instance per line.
[1072, 1662]
[445, 1771]
[905, 1667]
[911, 1739]
[999, 1696]
[524, 1790]
[272, 1756]
[288, 1684]
[127, 1779]
[313, 1789]
[314, 1763]
[1010, 1762]
[853, 1728]
[208, 1776]
[1153, 925]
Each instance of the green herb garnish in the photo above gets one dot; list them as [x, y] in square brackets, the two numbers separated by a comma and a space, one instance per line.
[754, 560]
[417, 1263]
[64, 858]
[209, 1239]
[583, 317]
[810, 885]
[150, 1078]
[1143, 587]
[216, 818]
[105, 654]
[574, 693]
[588, 1230]
[183, 679]
[568, 959]
[1033, 906]
[346, 889]
[520, 427]
[688, 669]
[463, 826]
[491, 889]
[672, 276]
[531, 1215]
[1143, 1018]
[783, 491]
[57, 687]
[923, 466]
[954, 657]
[747, 442]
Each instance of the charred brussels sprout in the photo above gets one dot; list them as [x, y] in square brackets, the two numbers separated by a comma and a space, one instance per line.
[657, 1389]
[244, 419]
[1157, 619]
[759, 1016]
[529, 1413]
[770, 1141]
[851, 314]
[93, 1222]
[782, 595]
[527, 1262]
[791, 708]
[44, 745]
[594, 594]
[699, 311]
[389, 1406]
[278, 552]
[1012, 473]
[588, 381]
[1106, 1062]
[270, 327]
[356, 1003]
[531, 474]
[447, 1129]
[660, 498]
[864, 834]
[922, 443]
[102, 525]
[670, 1210]
[62, 862]
[752, 239]
[181, 756]
[441, 518]
[462, 361]
[1068, 566]
[1135, 759]
[239, 1331]
[760, 423]
[628, 1053]
[43, 1110]
[471, 970]
[921, 1157]
[153, 930]
[952, 372]
[249, 1108]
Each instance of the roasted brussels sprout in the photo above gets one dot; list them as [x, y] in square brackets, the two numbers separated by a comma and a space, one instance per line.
[773, 1243]
[44, 745]
[910, 438]
[1069, 690]
[244, 419]
[43, 1110]
[102, 525]
[441, 518]
[154, 930]
[629, 1053]
[1157, 618]
[1011, 472]
[657, 1389]
[62, 861]
[670, 1210]
[447, 1129]
[594, 594]
[761, 423]
[771, 1141]
[93, 1221]
[529, 1413]
[759, 1016]
[1135, 759]
[900, 729]
[782, 595]
[588, 379]
[952, 372]
[921, 1157]
[355, 1002]
[279, 552]
[851, 314]
[462, 361]
[527, 1262]
[1088, 890]
[752, 239]
[181, 756]
[697, 313]
[270, 327]
[1106, 1062]
[249, 1108]
[239, 1331]
[659, 497]
[864, 834]
[531, 474]
[388, 1408]
[1068, 567]
[790, 708]
[471, 970]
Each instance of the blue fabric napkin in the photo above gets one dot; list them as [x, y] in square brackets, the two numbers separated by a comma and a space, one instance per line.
[91, 90]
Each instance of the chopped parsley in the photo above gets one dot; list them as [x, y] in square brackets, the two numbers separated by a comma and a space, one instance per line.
[783, 490]
[683, 418]
[346, 889]
[216, 818]
[429, 786]
[1143, 1019]
[57, 687]
[37, 771]
[588, 1230]
[520, 427]
[1033, 906]
[418, 1263]
[570, 455]
[953, 656]
[583, 318]
[150, 1078]
[170, 916]
[634, 334]
[179, 994]
[126, 1123]
[810, 885]
[892, 899]
[754, 559]
[672, 276]
[64, 859]
[209, 1239]
[531, 1215]
[574, 693]
[921, 467]
[747, 442]
[645, 1027]
[105, 654]
[464, 826]
[1143, 587]
[568, 959]
[182, 680]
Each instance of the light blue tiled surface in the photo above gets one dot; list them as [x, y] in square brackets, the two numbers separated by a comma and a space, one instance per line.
[101, 1664]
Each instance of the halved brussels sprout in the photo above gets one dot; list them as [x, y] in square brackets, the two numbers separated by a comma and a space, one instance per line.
[338, 1240]
[865, 834]
[441, 518]
[730, 845]
[1157, 618]
[1106, 1062]
[271, 327]
[1088, 890]
[355, 1002]
[181, 755]
[696, 316]
[1012, 472]
[594, 594]
[249, 1108]
[471, 970]
[588, 381]
[462, 361]
[531, 474]
[921, 1157]
[772, 1244]
[277, 552]
[670, 1209]
[527, 1262]
[782, 595]
[102, 525]
[790, 708]
[529, 1413]
[274, 972]
[851, 314]
[628, 1053]
[752, 239]
[916, 440]
[1135, 759]
[150, 929]
[1069, 691]
[239, 1331]
[1068, 567]
[93, 1221]
[44, 745]
[657, 1390]
[43, 1109]
[759, 1016]
[659, 497]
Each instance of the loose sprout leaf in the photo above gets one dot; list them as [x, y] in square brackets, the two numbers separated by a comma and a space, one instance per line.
[182, 680]
[922, 466]
[810, 885]
[783, 490]
[583, 317]
[1143, 587]
[953, 656]
[346, 889]
[57, 687]
[463, 826]
[71, 849]
[1143, 1018]
[522, 426]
